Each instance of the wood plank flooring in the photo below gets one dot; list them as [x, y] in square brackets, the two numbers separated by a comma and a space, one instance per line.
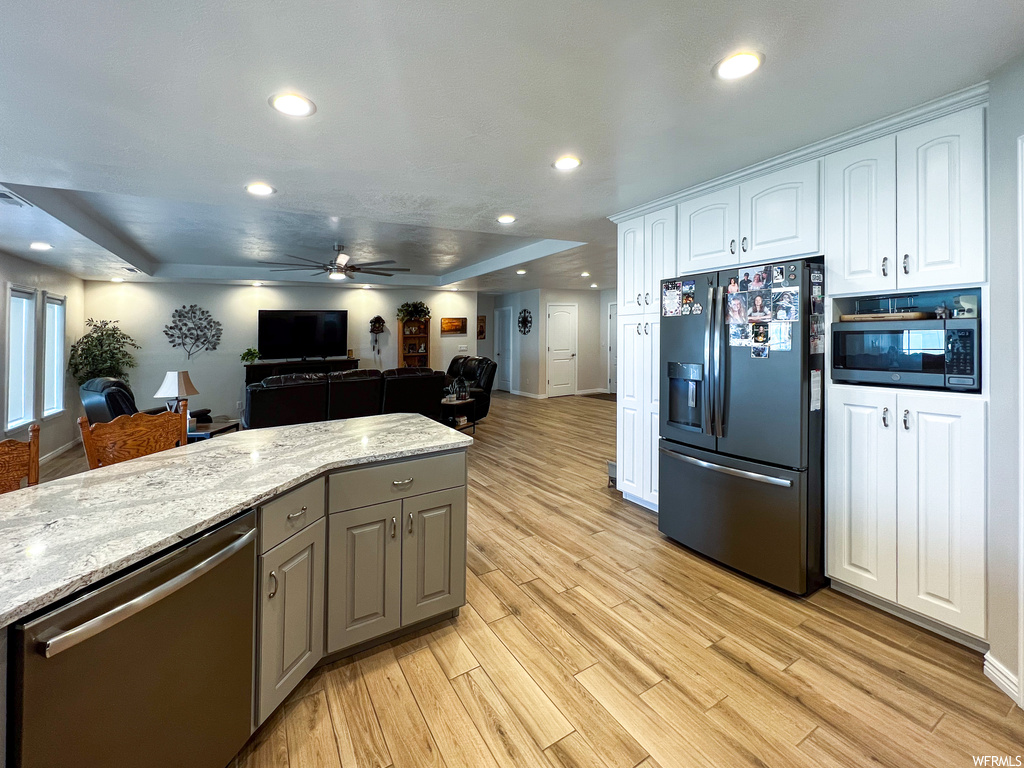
[590, 641]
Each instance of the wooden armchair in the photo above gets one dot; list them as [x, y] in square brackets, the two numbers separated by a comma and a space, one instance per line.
[19, 460]
[129, 437]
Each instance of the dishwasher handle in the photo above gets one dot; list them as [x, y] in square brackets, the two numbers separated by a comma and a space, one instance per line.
[72, 637]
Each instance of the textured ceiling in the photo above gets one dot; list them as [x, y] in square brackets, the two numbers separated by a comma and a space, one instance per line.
[439, 115]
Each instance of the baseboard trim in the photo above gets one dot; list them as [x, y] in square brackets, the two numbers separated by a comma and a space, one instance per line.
[950, 633]
[640, 502]
[54, 454]
[1006, 681]
[528, 394]
[595, 391]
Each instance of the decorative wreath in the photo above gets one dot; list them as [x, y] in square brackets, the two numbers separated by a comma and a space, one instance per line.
[525, 322]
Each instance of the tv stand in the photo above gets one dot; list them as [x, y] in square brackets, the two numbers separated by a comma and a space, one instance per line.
[260, 370]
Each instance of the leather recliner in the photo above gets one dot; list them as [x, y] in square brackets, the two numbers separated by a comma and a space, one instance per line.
[105, 398]
[479, 375]
[413, 390]
[354, 393]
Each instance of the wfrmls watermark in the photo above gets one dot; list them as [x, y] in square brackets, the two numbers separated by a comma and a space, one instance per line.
[998, 760]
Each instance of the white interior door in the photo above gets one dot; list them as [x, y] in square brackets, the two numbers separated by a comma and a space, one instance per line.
[503, 348]
[561, 344]
[613, 347]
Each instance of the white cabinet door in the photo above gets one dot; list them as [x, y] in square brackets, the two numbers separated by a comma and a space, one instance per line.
[861, 495]
[631, 281]
[940, 201]
[652, 408]
[630, 427]
[942, 508]
[660, 255]
[860, 218]
[779, 214]
[709, 231]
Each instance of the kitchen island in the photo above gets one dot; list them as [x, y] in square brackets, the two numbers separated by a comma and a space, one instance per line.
[59, 538]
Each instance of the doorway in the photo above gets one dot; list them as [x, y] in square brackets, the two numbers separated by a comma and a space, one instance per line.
[503, 348]
[561, 345]
[613, 347]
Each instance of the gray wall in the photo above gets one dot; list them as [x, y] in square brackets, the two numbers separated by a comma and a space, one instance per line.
[60, 430]
[485, 307]
[525, 350]
[1005, 126]
[589, 374]
[143, 309]
[607, 299]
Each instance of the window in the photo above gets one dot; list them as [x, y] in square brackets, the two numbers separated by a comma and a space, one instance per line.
[53, 363]
[21, 343]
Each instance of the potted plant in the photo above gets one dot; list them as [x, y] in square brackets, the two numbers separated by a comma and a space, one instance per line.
[102, 351]
[413, 310]
[251, 355]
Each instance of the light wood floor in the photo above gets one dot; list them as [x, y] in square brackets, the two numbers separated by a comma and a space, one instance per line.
[590, 641]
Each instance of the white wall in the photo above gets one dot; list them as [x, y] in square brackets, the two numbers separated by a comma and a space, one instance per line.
[607, 299]
[143, 310]
[59, 430]
[1005, 127]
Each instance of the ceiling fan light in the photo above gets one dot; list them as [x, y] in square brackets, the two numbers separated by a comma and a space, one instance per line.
[336, 274]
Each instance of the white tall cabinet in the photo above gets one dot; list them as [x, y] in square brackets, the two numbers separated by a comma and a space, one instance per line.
[906, 499]
[647, 255]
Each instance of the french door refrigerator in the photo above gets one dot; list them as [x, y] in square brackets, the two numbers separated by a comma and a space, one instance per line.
[741, 449]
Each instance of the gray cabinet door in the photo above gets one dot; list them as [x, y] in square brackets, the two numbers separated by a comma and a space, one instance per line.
[365, 573]
[291, 639]
[433, 554]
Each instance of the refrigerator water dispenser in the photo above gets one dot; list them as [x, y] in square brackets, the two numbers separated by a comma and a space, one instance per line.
[686, 396]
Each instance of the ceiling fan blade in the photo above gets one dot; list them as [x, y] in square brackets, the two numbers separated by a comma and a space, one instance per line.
[287, 264]
[387, 269]
[376, 272]
[362, 264]
[291, 269]
[302, 258]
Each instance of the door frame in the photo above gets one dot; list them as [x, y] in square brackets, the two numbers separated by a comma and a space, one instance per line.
[507, 313]
[576, 343]
[613, 330]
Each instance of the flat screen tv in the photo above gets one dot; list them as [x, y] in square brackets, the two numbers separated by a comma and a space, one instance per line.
[288, 333]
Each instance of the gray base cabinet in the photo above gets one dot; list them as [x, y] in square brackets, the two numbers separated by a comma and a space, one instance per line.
[291, 614]
[433, 554]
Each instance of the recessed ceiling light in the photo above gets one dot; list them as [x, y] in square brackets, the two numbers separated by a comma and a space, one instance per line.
[367, 287]
[257, 284]
[117, 279]
[567, 163]
[520, 271]
[40, 246]
[506, 218]
[593, 285]
[292, 104]
[738, 65]
[260, 189]
[455, 289]
[584, 274]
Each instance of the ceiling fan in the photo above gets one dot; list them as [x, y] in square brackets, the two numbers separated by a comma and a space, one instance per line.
[338, 268]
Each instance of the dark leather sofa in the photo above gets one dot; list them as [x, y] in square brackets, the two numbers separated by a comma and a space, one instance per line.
[479, 375]
[105, 398]
[300, 398]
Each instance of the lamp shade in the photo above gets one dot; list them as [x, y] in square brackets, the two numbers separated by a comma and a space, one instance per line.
[176, 384]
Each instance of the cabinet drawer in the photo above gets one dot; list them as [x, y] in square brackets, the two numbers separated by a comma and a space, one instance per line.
[373, 485]
[290, 512]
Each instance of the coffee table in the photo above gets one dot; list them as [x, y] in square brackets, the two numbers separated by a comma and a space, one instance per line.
[206, 431]
[450, 409]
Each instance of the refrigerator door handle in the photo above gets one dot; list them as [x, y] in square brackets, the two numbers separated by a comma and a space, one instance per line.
[707, 382]
[719, 363]
[755, 476]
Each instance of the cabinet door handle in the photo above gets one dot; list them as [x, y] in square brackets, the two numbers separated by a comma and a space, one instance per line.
[885, 266]
[638, 329]
[906, 420]
[300, 513]
[647, 299]
[743, 244]
[645, 329]
[410, 522]
[273, 575]
[885, 418]
[732, 245]
[400, 483]
[639, 298]
[906, 263]
[394, 526]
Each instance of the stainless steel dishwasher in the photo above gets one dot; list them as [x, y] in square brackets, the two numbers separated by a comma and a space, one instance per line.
[153, 669]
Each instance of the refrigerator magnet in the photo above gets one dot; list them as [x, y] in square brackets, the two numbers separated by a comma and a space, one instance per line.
[759, 333]
[759, 351]
[671, 299]
[786, 304]
[780, 336]
[697, 308]
[739, 335]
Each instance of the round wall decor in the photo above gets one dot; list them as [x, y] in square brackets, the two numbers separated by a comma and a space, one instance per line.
[525, 322]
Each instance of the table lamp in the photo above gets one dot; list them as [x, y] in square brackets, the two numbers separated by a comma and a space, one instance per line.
[176, 385]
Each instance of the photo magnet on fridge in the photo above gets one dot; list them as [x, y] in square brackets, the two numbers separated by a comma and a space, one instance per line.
[759, 333]
[780, 336]
[737, 306]
[786, 304]
[759, 351]
[778, 275]
[671, 299]
[759, 305]
[817, 305]
[739, 335]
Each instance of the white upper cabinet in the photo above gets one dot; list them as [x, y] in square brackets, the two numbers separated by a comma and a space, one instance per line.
[660, 255]
[860, 218]
[940, 201]
[942, 508]
[709, 231]
[631, 282]
[779, 214]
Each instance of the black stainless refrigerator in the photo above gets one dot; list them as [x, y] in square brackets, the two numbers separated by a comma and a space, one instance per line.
[741, 450]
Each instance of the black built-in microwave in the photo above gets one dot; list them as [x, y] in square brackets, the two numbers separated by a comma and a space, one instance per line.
[932, 354]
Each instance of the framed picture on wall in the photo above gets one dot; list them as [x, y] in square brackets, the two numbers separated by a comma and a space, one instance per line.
[481, 327]
[453, 326]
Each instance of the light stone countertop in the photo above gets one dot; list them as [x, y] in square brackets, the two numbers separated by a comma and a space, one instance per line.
[61, 536]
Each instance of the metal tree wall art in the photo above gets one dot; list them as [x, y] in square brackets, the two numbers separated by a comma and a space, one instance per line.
[193, 329]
